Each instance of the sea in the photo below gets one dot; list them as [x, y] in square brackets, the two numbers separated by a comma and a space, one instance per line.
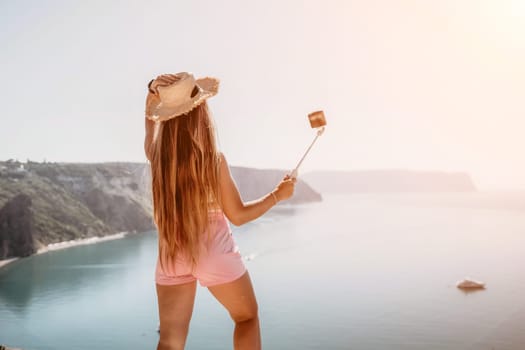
[355, 271]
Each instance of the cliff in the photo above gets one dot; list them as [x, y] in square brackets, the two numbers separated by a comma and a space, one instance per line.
[79, 200]
[16, 228]
[384, 181]
[57, 214]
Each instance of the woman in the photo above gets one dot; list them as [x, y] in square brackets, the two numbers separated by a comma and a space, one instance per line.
[193, 194]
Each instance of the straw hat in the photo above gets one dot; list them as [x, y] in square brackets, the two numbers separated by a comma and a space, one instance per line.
[177, 94]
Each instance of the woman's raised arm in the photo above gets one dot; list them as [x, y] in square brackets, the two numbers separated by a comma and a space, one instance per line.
[151, 98]
[148, 139]
[239, 212]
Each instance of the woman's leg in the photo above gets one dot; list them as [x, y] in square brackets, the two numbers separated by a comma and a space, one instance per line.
[175, 309]
[239, 299]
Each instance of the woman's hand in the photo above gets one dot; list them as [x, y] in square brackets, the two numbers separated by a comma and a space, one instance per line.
[153, 95]
[161, 80]
[240, 212]
[153, 98]
[285, 188]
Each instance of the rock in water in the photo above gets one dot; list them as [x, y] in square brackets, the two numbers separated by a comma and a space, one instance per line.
[16, 228]
[468, 283]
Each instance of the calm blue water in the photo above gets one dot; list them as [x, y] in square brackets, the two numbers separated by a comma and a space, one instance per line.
[352, 272]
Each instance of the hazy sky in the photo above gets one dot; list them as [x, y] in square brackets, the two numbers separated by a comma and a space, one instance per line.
[421, 85]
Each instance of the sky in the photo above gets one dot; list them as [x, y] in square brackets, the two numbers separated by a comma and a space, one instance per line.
[404, 84]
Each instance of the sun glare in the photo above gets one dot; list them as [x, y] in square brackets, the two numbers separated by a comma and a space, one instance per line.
[505, 21]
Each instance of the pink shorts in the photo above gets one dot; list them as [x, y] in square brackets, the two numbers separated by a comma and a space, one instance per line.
[219, 262]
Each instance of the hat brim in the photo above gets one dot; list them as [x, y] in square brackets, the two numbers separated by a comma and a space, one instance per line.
[208, 87]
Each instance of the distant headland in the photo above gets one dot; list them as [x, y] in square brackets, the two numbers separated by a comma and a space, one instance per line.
[389, 181]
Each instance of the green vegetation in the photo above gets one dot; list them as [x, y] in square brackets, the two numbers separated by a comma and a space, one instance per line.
[58, 216]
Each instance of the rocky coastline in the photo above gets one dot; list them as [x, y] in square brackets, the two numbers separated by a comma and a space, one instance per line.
[48, 205]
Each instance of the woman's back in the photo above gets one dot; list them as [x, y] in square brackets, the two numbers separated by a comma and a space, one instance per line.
[194, 196]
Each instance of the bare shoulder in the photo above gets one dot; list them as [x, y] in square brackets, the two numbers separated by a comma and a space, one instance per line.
[223, 163]
[225, 176]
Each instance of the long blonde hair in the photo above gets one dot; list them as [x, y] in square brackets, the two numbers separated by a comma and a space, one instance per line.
[185, 182]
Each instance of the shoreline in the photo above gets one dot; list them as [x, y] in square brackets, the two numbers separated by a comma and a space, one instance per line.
[68, 244]
[7, 261]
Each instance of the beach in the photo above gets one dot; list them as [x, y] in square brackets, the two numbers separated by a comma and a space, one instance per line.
[7, 261]
[68, 244]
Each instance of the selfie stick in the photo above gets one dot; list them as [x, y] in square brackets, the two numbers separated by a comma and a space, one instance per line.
[318, 122]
